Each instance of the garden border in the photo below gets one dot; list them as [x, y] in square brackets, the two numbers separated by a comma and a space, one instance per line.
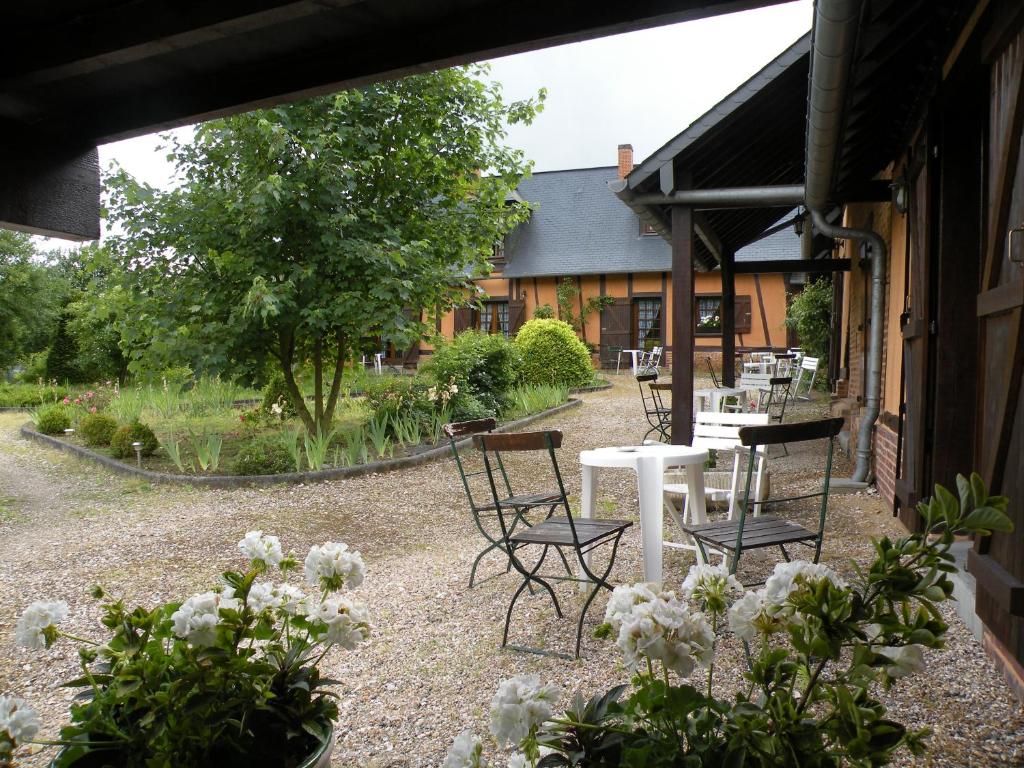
[244, 481]
[600, 386]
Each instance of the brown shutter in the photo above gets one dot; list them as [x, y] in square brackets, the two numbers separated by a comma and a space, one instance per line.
[516, 316]
[743, 314]
[463, 318]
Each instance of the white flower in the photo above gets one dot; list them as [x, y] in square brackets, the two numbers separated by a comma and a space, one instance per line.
[18, 724]
[276, 409]
[348, 622]
[712, 585]
[465, 752]
[751, 615]
[331, 567]
[906, 659]
[267, 549]
[665, 630]
[292, 599]
[520, 704]
[197, 618]
[263, 596]
[625, 598]
[787, 578]
[518, 760]
[36, 629]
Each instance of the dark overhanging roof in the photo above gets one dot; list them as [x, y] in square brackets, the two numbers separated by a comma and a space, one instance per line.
[753, 137]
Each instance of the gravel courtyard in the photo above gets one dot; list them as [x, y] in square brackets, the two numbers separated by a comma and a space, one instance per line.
[434, 660]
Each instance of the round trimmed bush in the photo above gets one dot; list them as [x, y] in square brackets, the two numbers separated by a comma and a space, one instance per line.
[53, 420]
[276, 393]
[481, 365]
[136, 432]
[552, 353]
[97, 428]
[263, 457]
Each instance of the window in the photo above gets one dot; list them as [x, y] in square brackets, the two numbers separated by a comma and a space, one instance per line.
[646, 323]
[709, 315]
[498, 256]
[647, 228]
[493, 318]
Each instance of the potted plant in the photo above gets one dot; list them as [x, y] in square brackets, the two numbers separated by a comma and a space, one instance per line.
[226, 678]
[817, 648]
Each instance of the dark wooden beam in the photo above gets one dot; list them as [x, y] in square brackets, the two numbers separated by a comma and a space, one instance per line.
[682, 324]
[728, 320]
[869, 191]
[791, 265]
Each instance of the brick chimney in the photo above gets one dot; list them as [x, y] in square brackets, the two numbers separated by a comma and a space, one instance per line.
[625, 160]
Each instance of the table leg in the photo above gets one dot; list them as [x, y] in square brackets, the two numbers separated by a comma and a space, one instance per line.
[588, 503]
[650, 479]
[695, 487]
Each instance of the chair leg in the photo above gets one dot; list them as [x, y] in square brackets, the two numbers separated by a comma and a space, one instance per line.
[599, 582]
[528, 576]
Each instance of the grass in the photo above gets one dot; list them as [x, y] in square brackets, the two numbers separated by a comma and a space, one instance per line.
[8, 511]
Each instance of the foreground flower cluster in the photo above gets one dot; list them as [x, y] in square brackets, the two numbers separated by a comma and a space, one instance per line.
[253, 639]
[817, 648]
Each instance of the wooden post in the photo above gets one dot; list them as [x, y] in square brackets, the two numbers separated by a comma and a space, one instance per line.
[728, 320]
[682, 324]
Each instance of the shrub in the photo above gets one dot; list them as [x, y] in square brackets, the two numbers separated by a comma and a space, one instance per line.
[553, 354]
[97, 428]
[136, 432]
[482, 365]
[543, 312]
[61, 361]
[53, 420]
[810, 314]
[263, 457]
[469, 408]
[276, 393]
[28, 395]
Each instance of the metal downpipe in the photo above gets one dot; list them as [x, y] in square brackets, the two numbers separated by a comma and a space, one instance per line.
[872, 397]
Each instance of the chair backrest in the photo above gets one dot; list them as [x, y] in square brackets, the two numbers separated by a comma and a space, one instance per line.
[711, 370]
[778, 396]
[519, 441]
[809, 363]
[755, 380]
[721, 431]
[459, 429]
[797, 432]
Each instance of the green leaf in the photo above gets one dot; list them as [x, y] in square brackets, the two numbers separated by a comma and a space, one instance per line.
[987, 519]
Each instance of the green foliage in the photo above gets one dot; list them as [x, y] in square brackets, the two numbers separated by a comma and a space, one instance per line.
[553, 354]
[172, 446]
[469, 408]
[62, 359]
[136, 432]
[316, 447]
[810, 314]
[26, 395]
[295, 232]
[483, 366]
[291, 441]
[207, 450]
[263, 457]
[53, 419]
[568, 295]
[523, 401]
[819, 653]
[97, 428]
[543, 312]
[30, 297]
[276, 393]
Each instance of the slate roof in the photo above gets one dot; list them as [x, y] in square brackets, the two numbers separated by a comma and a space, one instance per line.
[579, 227]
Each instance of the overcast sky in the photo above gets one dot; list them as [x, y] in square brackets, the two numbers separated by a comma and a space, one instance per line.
[640, 88]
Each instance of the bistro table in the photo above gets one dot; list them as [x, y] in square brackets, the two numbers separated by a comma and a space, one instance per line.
[717, 394]
[649, 462]
[635, 355]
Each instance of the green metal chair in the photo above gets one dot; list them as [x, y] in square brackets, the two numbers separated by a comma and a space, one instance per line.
[731, 538]
[659, 415]
[580, 535]
[484, 513]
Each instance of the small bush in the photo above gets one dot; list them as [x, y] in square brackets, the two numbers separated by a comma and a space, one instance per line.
[136, 432]
[53, 420]
[810, 314]
[553, 354]
[469, 408]
[264, 457]
[482, 365]
[276, 393]
[30, 395]
[97, 428]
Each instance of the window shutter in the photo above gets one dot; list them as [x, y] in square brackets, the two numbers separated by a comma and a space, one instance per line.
[516, 316]
[743, 314]
[463, 318]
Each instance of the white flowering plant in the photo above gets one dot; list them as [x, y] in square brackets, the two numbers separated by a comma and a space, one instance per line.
[226, 678]
[818, 647]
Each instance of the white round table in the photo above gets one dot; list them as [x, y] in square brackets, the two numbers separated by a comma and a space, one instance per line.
[649, 462]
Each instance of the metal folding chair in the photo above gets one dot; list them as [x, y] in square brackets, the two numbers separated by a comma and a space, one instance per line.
[517, 505]
[731, 538]
[580, 535]
[659, 416]
[772, 399]
[711, 370]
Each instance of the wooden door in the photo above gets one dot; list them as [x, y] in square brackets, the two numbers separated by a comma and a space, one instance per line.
[516, 316]
[911, 474]
[998, 562]
[615, 331]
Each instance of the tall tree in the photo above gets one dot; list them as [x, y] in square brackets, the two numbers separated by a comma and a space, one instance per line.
[295, 233]
[30, 298]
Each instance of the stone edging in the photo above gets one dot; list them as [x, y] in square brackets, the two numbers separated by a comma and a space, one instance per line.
[242, 481]
[603, 385]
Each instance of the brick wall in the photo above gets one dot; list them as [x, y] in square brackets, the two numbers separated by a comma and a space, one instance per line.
[885, 459]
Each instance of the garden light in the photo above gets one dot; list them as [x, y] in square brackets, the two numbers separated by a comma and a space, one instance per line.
[138, 453]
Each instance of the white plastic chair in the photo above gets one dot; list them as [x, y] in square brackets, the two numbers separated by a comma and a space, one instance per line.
[649, 361]
[807, 365]
[719, 432]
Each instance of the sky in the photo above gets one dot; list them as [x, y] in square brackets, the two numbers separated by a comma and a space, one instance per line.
[640, 88]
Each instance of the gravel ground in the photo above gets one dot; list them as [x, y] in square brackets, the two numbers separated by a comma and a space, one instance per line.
[434, 661]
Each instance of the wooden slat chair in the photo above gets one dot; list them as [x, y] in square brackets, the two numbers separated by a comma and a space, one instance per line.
[808, 370]
[731, 538]
[659, 416]
[485, 513]
[717, 432]
[751, 382]
[559, 532]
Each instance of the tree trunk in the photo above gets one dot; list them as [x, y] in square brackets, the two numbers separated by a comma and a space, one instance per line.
[318, 381]
[339, 372]
[286, 343]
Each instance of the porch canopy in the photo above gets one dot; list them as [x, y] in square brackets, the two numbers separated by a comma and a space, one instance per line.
[720, 185]
[85, 72]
